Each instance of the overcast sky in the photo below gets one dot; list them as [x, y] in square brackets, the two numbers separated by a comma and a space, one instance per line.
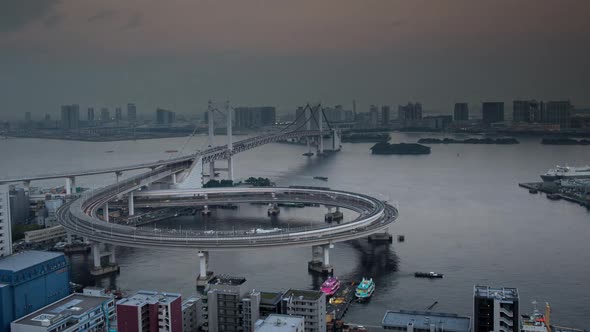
[179, 53]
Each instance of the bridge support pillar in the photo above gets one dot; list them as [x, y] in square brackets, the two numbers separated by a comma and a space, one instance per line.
[27, 185]
[211, 170]
[68, 238]
[98, 252]
[204, 274]
[105, 212]
[173, 178]
[206, 211]
[70, 185]
[131, 205]
[320, 262]
[230, 168]
[118, 176]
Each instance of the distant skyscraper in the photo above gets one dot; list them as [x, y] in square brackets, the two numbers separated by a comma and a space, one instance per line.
[527, 111]
[385, 115]
[131, 113]
[495, 309]
[5, 222]
[165, 117]
[47, 117]
[105, 115]
[373, 116]
[492, 112]
[557, 112]
[410, 112]
[461, 112]
[27, 117]
[90, 114]
[254, 117]
[70, 116]
[118, 114]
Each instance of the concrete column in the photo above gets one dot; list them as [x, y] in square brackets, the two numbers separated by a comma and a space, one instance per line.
[118, 175]
[211, 170]
[230, 168]
[317, 253]
[203, 264]
[27, 185]
[174, 178]
[95, 248]
[228, 113]
[105, 211]
[70, 185]
[68, 238]
[112, 258]
[327, 253]
[131, 204]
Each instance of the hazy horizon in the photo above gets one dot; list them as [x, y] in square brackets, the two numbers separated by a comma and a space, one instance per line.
[178, 54]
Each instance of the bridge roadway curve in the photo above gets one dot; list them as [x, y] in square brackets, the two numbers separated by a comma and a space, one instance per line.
[79, 217]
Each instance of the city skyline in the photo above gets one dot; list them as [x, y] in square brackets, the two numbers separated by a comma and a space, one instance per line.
[177, 56]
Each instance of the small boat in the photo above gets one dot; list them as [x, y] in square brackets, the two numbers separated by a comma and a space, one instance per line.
[330, 286]
[553, 197]
[109, 151]
[533, 191]
[430, 275]
[365, 289]
[171, 151]
[324, 178]
[308, 154]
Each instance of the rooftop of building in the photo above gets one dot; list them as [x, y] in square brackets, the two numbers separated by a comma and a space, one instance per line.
[496, 292]
[270, 297]
[72, 305]
[423, 320]
[23, 260]
[275, 322]
[223, 279]
[190, 301]
[303, 294]
[142, 298]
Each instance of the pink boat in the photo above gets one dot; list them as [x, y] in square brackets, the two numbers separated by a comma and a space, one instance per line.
[330, 286]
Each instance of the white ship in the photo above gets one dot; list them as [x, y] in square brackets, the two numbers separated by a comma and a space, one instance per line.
[566, 172]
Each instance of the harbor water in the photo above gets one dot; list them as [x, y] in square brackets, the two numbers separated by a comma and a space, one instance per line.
[461, 211]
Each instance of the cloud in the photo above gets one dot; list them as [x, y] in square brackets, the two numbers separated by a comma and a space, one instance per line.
[16, 14]
[103, 15]
[133, 22]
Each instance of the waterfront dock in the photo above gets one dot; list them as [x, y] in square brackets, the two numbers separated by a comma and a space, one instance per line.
[538, 186]
[340, 302]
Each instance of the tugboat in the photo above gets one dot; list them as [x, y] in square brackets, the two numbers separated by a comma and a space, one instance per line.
[330, 286]
[324, 178]
[430, 275]
[537, 322]
[365, 289]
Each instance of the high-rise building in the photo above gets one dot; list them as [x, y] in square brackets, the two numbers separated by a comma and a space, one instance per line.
[76, 312]
[224, 299]
[308, 304]
[165, 117]
[527, 111]
[105, 115]
[557, 112]
[118, 114]
[70, 116]
[461, 112]
[150, 311]
[5, 223]
[254, 117]
[29, 281]
[250, 310]
[27, 117]
[281, 323]
[131, 113]
[495, 309]
[270, 303]
[20, 206]
[192, 314]
[410, 112]
[373, 116]
[492, 112]
[385, 116]
[90, 114]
